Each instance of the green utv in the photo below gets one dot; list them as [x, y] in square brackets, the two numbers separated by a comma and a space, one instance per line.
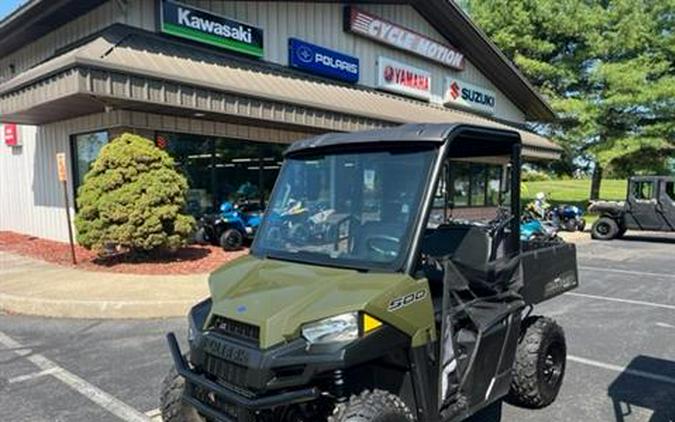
[364, 299]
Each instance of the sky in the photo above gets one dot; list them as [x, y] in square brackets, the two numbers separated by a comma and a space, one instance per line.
[8, 6]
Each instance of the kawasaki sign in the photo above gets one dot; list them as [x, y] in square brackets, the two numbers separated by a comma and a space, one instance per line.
[205, 27]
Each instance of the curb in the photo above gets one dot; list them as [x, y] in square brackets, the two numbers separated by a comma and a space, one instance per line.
[32, 287]
[93, 309]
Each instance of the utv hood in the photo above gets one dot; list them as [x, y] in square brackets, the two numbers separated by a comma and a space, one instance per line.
[280, 296]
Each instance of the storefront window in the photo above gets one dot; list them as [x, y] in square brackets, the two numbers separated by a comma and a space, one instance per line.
[220, 169]
[86, 148]
[461, 182]
[493, 185]
[475, 185]
[478, 185]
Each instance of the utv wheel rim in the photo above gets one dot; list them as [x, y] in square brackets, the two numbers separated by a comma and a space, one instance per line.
[603, 228]
[232, 240]
[553, 365]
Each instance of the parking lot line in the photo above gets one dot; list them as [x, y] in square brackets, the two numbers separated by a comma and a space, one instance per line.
[614, 270]
[91, 392]
[32, 376]
[622, 369]
[629, 301]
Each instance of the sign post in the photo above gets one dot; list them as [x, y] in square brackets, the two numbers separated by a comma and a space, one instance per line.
[63, 178]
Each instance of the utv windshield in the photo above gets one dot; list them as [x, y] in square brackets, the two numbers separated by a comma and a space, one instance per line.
[347, 209]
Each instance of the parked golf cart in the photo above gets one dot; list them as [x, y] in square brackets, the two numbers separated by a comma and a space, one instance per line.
[228, 229]
[386, 316]
[649, 205]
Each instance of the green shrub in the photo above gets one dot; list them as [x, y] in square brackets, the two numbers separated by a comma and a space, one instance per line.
[132, 198]
[534, 176]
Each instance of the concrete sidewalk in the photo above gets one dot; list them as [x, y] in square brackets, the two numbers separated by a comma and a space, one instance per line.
[32, 287]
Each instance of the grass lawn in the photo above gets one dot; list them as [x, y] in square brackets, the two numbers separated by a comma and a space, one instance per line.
[574, 192]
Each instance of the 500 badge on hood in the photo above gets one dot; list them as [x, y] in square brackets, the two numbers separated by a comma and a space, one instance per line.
[202, 26]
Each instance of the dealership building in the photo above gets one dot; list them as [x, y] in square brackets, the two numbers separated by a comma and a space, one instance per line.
[225, 86]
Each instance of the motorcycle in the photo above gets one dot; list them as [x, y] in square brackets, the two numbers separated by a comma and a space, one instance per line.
[234, 224]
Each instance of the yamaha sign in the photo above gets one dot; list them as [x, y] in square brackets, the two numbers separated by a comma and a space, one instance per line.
[322, 61]
[466, 95]
[208, 28]
[403, 79]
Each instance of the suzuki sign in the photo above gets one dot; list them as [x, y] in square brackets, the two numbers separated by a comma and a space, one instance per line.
[381, 30]
[403, 79]
[463, 94]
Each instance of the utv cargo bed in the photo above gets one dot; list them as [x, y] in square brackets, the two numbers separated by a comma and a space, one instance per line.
[549, 270]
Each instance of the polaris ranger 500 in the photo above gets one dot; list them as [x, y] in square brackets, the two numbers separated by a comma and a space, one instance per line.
[386, 308]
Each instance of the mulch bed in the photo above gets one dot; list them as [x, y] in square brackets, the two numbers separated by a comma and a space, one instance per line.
[193, 259]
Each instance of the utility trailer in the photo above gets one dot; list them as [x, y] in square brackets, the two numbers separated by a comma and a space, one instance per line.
[385, 313]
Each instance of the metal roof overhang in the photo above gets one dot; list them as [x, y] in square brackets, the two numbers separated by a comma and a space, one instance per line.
[37, 17]
[130, 69]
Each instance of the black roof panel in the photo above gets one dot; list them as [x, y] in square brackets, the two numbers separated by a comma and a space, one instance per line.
[409, 133]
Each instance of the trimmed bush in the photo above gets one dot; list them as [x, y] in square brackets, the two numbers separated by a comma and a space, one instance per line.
[132, 199]
[534, 176]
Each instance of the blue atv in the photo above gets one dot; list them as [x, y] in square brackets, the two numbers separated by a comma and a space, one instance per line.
[567, 217]
[234, 224]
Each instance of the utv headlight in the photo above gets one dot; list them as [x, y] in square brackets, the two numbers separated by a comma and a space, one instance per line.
[197, 319]
[337, 329]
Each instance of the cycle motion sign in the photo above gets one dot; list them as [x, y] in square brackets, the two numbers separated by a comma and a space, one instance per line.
[208, 28]
[376, 28]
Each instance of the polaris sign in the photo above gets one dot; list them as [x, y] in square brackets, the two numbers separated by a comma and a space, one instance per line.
[463, 94]
[205, 27]
[322, 61]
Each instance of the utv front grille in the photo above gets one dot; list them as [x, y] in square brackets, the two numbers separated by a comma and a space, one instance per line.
[239, 330]
[230, 374]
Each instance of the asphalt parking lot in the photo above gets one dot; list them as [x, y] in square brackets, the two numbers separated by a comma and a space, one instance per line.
[620, 327]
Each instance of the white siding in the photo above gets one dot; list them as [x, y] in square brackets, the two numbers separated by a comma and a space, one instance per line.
[139, 13]
[31, 197]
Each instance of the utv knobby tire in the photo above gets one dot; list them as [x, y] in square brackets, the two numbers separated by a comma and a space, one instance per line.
[604, 228]
[171, 405]
[539, 368]
[231, 240]
[372, 406]
[201, 238]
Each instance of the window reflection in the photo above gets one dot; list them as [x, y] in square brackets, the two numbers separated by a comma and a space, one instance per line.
[221, 169]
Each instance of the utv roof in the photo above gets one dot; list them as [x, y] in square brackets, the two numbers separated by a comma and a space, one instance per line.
[409, 133]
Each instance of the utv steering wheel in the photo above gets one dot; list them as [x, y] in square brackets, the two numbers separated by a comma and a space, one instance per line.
[372, 245]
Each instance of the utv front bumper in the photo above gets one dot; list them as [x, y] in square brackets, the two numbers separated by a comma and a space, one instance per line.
[199, 383]
[226, 376]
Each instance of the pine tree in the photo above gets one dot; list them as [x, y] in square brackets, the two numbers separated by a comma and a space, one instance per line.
[607, 69]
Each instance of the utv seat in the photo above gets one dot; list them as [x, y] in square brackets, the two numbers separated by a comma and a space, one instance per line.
[468, 246]
[478, 255]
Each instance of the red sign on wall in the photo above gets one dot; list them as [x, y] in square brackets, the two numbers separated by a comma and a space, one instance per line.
[381, 30]
[11, 134]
